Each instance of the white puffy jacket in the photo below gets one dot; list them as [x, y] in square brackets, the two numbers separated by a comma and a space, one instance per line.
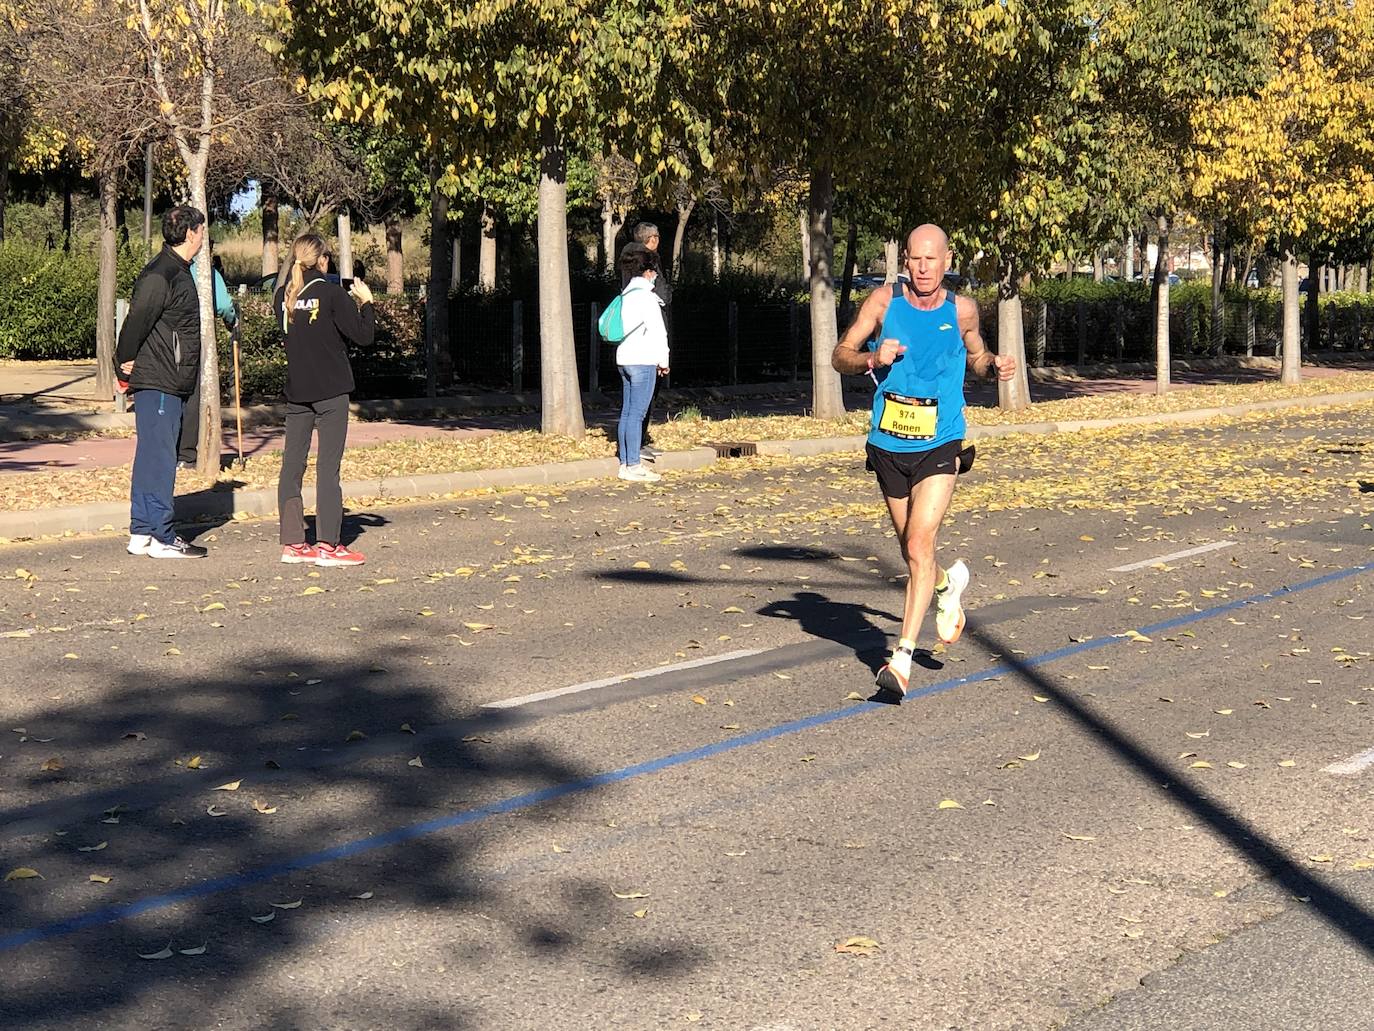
[646, 343]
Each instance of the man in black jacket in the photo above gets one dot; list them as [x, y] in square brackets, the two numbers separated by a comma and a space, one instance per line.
[158, 362]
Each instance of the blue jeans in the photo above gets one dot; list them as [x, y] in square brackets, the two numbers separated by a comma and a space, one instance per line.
[638, 384]
[157, 421]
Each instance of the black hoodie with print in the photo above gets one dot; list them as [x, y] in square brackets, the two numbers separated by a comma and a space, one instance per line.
[324, 320]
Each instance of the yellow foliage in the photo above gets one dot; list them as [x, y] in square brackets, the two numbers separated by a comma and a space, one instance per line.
[1297, 159]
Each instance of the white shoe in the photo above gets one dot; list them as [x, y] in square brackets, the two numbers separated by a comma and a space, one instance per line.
[638, 474]
[177, 549]
[139, 543]
[949, 613]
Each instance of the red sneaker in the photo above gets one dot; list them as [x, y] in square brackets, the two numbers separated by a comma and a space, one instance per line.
[337, 555]
[299, 553]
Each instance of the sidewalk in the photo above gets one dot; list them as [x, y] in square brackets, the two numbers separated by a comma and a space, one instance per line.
[51, 386]
[385, 483]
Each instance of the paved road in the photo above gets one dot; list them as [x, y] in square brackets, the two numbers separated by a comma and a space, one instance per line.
[687, 848]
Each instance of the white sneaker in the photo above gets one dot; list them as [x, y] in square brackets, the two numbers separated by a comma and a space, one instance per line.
[139, 543]
[949, 614]
[177, 549]
[638, 473]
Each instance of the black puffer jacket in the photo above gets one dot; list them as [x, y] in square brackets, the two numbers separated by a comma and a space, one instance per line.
[161, 333]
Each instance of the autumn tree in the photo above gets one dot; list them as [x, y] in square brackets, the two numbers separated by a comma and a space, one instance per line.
[818, 85]
[1295, 160]
[1176, 56]
[545, 78]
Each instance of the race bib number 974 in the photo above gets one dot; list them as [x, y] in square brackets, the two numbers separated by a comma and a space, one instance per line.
[909, 418]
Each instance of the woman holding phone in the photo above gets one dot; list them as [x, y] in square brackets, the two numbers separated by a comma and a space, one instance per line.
[319, 319]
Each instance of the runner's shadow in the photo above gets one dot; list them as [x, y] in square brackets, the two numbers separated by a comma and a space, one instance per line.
[845, 623]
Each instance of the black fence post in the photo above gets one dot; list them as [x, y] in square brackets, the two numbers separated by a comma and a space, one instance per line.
[733, 342]
[594, 350]
[517, 347]
[1119, 332]
[794, 319]
[1249, 329]
[1042, 333]
[1080, 316]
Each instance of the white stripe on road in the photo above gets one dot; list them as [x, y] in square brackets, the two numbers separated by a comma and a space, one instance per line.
[592, 685]
[1353, 765]
[1200, 550]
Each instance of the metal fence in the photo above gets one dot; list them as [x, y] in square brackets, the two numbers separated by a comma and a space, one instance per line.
[495, 343]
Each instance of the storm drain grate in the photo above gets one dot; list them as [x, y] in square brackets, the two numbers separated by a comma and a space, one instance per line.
[735, 448]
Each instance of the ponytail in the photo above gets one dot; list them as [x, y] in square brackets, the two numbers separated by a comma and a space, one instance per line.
[306, 252]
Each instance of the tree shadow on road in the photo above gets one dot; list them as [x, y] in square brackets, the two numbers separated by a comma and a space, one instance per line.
[1341, 912]
[215, 804]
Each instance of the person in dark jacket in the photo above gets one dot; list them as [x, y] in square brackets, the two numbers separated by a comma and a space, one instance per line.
[157, 361]
[318, 318]
[647, 236]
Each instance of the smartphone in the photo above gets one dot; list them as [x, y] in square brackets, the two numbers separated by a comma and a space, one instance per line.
[347, 284]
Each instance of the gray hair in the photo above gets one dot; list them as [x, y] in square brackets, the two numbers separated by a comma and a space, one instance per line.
[645, 231]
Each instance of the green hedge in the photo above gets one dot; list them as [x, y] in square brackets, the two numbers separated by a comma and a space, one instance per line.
[48, 300]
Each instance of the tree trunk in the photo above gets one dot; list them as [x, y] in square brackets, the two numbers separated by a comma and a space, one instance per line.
[436, 294]
[804, 227]
[67, 213]
[827, 391]
[892, 258]
[4, 191]
[1218, 311]
[395, 258]
[1012, 394]
[715, 245]
[486, 255]
[1291, 371]
[1099, 266]
[610, 229]
[271, 234]
[108, 285]
[1161, 292]
[851, 242]
[1313, 321]
[455, 270]
[1128, 258]
[561, 394]
[684, 212]
[345, 250]
[211, 435]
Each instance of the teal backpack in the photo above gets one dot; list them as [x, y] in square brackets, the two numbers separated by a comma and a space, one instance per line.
[611, 325]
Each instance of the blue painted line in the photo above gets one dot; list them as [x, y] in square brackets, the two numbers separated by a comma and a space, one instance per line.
[402, 835]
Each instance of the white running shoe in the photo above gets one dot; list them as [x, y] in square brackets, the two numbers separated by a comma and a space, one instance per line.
[639, 473]
[139, 543]
[949, 613]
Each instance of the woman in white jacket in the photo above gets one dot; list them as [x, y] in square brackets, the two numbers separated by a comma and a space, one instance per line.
[641, 357]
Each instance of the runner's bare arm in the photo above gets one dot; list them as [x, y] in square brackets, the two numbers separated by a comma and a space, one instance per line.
[850, 357]
[981, 361]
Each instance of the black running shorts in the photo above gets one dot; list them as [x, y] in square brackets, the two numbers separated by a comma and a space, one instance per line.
[898, 472]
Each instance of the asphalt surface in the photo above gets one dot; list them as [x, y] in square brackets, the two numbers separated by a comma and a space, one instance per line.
[1029, 839]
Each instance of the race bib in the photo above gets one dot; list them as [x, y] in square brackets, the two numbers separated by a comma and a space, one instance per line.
[909, 418]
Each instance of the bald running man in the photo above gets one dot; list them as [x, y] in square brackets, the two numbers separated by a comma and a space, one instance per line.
[927, 336]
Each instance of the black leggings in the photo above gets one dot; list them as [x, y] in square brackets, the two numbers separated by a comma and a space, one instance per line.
[330, 417]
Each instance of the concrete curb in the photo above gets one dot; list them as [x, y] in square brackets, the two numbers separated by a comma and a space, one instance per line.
[225, 504]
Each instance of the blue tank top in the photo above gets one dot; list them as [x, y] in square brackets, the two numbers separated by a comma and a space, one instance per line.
[919, 402]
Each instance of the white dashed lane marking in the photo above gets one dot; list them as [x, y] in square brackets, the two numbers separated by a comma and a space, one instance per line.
[1189, 553]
